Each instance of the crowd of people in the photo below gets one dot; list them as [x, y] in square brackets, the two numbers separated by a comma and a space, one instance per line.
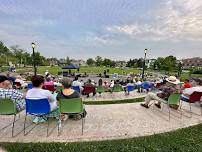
[165, 87]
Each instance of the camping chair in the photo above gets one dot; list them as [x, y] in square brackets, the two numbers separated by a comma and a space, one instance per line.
[174, 99]
[76, 88]
[8, 107]
[130, 88]
[37, 107]
[117, 88]
[100, 89]
[151, 86]
[51, 88]
[194, 97]
[146, 86]
[89, 89]
[73, 106]
[29, 86]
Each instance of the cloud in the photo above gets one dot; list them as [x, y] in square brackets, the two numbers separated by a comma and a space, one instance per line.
[176, 20]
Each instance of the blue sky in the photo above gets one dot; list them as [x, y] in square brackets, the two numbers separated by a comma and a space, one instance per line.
[116, 29]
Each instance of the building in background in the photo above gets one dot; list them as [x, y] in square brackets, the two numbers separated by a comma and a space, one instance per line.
[192, 62]
[78, 62]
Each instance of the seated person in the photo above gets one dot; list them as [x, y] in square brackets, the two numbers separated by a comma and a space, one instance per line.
[139, 85]
[48, 82]
[187, 84]
[196, 86]
[68, 93]
[38, 93]
[89, 84]
[165, 91]
[76, 82]
[6, 92]
[22, 82]
[100, 83]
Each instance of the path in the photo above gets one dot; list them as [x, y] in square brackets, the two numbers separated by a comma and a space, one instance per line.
[103, 122]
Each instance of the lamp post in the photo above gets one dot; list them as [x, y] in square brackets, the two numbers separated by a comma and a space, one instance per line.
[143, 68]
[34, 62]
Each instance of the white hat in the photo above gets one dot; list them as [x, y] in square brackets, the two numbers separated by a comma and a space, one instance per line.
[173, 80]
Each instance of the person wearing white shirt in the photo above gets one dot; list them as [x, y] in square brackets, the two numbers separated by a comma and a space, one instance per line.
[196, 87]
[76, 82]
[38, 93]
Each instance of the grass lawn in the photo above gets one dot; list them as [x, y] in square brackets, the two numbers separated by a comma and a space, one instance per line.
[182, 140]
[55, 70]
[96, 70]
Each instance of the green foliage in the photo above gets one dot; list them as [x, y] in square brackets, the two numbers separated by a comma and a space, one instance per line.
[135, 63]
[182, 140]
[168, 63]
[19, 56]
[90, 62]
[98, 61]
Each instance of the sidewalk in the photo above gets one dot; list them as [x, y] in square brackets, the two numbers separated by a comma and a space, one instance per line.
[103, 122]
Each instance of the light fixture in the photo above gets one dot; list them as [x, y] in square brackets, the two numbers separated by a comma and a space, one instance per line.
[33, 45]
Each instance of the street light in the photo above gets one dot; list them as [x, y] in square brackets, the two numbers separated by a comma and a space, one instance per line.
[34, 62]
[143, 69]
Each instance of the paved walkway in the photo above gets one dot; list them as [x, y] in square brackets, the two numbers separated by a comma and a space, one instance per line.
[103, 122]
[114, 96]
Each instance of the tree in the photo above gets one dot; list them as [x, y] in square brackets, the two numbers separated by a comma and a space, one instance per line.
[98, 61]
[90, 61]
[67, 60]
[107, 62]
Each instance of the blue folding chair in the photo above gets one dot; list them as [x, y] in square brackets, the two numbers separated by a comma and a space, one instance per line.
[151, 86]
[37, 107]
[130, 88]
[146, 86]
[76, 88]
[29, 86]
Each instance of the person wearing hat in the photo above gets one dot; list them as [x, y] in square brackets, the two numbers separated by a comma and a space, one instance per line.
[165, 91]
[7, 92]
[196, 87]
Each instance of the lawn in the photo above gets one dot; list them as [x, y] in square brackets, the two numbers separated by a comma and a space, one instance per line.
[95, 70]
[182, 140]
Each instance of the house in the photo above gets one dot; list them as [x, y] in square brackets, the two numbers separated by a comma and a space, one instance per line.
[192, 62]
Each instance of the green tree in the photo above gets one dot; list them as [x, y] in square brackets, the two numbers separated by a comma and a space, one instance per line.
[107, 62]
[98, 61]
[68, 60]
[90, 62]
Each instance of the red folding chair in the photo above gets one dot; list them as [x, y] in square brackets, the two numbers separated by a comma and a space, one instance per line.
[89, 89]
[49, 87]
[195, 97]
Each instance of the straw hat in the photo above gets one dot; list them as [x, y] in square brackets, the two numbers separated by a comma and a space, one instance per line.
[173, 80]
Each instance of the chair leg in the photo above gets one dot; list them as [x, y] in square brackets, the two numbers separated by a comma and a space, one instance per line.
[25, 123]
[190, 109]
[13, 125]
[180, 104]
[201, 111]
[47, 125]
[82, 124]
[59, 125]
[169, 111]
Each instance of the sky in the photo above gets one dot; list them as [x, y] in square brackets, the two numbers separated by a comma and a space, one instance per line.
[116, 29]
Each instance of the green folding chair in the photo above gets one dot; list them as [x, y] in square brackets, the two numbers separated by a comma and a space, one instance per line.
[174, 99]
[100, 89]
[73, 106]
[117, 88]
[8, 107]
